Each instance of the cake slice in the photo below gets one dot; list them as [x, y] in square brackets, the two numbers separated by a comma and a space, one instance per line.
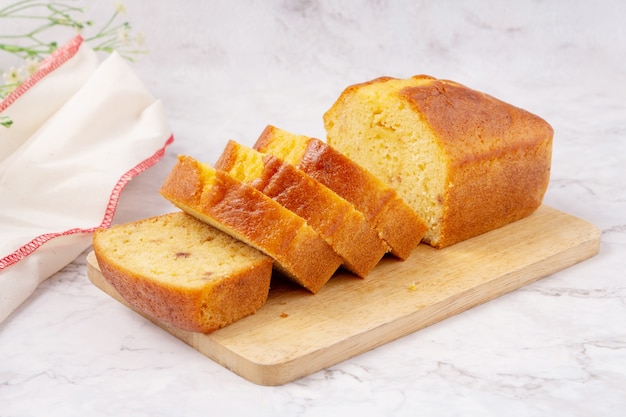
[247, 214]
[397, 223]
[465, 161]
[343, 227]
[183, 272]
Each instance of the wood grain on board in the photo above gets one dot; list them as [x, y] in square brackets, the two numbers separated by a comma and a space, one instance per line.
[297, 333]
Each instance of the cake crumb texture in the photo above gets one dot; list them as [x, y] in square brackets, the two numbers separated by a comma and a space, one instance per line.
[466, 162]
[337, 221]
[183, 272]
[240, 210]
[394, 220]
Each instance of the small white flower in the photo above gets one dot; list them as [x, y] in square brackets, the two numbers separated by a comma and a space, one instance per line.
[32, 65]
[120, 7]
[123, 35]
[13, 75]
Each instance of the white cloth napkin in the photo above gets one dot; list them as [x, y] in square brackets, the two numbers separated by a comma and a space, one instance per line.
[81, 130]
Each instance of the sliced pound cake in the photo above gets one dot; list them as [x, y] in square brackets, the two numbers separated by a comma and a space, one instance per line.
[183, 272]
[397, 223]
[343, 227]
[242, 211]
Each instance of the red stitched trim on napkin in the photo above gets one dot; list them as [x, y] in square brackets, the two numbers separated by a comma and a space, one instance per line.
[54, 61]
[117, 190]
[34, 244]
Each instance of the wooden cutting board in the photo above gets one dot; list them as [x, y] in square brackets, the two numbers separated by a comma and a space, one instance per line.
[296, 333]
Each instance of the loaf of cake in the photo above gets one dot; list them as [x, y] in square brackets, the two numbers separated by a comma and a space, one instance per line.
[215, 197]
[343, 227]
[183, 272]
[465, 161]
[395, 221]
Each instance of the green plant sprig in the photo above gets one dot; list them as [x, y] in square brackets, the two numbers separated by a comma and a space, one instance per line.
[5, 121]
[57, 15]
[34, 44]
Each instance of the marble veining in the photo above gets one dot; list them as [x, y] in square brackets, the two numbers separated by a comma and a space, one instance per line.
[226, 69]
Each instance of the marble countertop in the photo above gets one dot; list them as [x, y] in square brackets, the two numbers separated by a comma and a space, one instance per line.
[225, 70]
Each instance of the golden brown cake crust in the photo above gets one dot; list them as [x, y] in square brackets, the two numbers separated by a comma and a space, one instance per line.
[344, 228]
[203, 308]
[501, 175]
[498, 155]
[455, 112]
[180, 308]
[247, 214]
[395, 221]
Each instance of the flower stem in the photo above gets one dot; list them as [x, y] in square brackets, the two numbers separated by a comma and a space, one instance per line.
[41, 16]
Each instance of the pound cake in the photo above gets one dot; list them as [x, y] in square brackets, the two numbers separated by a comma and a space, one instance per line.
[343, 227]
[395, 221]
[215, 197]
[466, 162]
[183, 272]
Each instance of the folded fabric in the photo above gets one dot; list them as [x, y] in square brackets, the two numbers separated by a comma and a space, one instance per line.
[81, 130]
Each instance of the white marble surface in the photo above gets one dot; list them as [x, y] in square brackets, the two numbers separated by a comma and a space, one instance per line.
[225, 70]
